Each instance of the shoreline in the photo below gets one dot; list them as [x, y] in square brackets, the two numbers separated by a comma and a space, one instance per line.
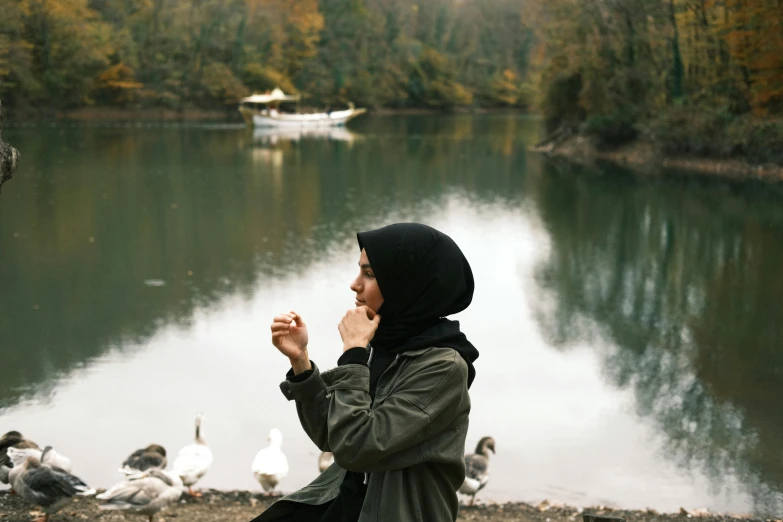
[228, 115]
[642, 155]
[242, 506]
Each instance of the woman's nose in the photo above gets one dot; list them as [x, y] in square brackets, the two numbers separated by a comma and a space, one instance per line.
[355, 286]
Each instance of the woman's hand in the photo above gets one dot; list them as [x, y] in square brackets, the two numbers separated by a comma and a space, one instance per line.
[289, 335]
[358, 327]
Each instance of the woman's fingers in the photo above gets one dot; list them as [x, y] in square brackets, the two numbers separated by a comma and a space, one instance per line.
[277, 327]
[297, 319]
[283, 318]
[288, 319]
[358, 326]
[365, 311]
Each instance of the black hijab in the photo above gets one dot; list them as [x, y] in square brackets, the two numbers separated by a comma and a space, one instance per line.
[423, 277]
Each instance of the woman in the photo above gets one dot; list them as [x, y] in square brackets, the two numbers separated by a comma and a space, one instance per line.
[395, 410]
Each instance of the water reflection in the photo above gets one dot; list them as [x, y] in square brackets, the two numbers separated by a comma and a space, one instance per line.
[268, 135]
[681, 277]
[270, 146]
[102, 210]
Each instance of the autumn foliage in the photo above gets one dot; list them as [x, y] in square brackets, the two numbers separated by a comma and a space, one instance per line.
[700, 76]
[609, 64]
[179, 54]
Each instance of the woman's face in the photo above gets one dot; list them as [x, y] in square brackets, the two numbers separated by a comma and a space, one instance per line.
[368, 293]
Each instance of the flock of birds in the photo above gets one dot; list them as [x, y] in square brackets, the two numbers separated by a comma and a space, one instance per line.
[43, 477]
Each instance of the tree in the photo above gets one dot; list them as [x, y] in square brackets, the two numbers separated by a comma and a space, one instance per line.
[9, 156]
[69, 43]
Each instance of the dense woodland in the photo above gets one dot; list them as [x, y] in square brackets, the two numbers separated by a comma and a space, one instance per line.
[701, 66]
[209, 53]
[702, 76]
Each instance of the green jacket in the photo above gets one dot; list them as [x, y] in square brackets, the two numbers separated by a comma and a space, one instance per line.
[410, 441]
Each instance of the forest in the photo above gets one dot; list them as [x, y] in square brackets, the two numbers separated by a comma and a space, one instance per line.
[699, 76]
[210, 53]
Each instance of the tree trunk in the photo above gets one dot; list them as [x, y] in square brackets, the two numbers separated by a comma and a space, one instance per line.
[630, 43]
[9, 156]
[678, 70]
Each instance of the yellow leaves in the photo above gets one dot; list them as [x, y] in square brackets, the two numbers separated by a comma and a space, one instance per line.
[71, 11]
[753, 34]
[505, 88]
[731, 50]
[119, 76]
[5, 47]
[294, 28]
[738, 40]
[115, 73]
[461, 95]
[436, 76]
[222, 84]
[305, 16]
[302, 15]
[267, 78]
[118, 85]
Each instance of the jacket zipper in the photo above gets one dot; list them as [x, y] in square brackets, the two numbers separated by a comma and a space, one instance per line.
[369, 362]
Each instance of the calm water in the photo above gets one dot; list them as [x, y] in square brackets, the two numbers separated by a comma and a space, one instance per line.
[630, 327]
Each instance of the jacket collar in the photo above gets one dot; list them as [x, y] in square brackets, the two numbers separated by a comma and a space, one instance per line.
[416, 353]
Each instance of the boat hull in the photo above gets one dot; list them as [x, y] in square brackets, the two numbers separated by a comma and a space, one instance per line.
[302, 121]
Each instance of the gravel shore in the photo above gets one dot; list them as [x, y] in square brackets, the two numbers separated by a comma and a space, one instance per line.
[242, 506]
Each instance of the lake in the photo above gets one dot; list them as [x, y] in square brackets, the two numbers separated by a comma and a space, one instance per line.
[630, 326]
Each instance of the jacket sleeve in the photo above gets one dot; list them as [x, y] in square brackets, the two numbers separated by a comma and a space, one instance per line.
[311, 405]
[389, 436]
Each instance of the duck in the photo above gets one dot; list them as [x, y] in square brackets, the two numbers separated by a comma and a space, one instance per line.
[477, 468]
[325, 460]
[42, 485]
[193, 461]
[144, 492]
[47, 456]
[151, 457]
[12, 439]
[271, 465]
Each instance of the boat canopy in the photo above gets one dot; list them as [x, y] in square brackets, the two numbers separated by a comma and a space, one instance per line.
[275, 95]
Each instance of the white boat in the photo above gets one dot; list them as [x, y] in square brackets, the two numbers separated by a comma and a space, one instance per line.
[262, 110]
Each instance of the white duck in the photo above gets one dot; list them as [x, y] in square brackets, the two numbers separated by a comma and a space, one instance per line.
[193, 461]
[270, 465]
[144, 493]
[325, 460]
[477, 468]
[43, 485]
[48, 457]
